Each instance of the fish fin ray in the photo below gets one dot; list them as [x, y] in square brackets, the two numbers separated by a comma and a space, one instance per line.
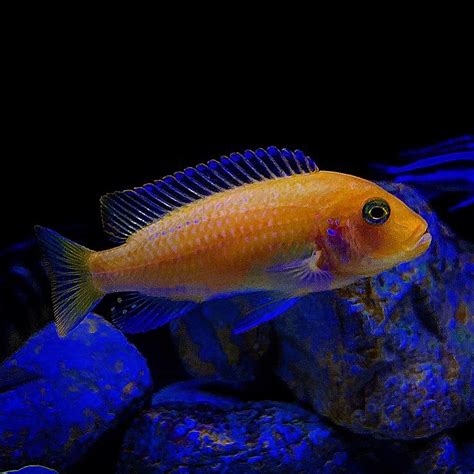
[306, 271]
[264, 313]
[126, 212]
[73, 292]
[136, 313]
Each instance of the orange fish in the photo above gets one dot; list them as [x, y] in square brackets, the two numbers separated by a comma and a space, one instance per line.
[267, 221]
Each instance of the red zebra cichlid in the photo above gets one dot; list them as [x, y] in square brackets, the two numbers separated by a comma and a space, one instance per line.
[264, 221]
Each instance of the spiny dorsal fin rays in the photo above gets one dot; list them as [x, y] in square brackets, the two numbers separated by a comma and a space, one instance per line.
[126, 212]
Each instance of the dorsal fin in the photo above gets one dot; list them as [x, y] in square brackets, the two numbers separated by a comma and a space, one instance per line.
[125, 212]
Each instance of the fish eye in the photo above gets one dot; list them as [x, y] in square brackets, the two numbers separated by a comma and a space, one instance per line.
[376, 211]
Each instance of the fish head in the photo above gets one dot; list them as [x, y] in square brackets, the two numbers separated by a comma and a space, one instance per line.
[377, 232]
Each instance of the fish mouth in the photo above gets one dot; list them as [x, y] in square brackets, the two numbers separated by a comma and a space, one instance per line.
[424, 240]
[421, 245]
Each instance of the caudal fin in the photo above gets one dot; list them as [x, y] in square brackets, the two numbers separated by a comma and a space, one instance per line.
[73, 291]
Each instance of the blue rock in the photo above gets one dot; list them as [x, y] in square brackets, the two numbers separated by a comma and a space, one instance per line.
[445, 453]
[189, 430]
[208, 348]
[33, 470]
[440, 455]
[86, 383]
[196, 389]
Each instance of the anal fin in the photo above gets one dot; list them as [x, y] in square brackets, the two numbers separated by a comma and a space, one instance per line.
[135, 313]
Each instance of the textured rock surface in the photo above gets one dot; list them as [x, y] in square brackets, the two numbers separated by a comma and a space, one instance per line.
[389, 356]
[208, 348]
[87, 383]
[189, 430]
[442, 454]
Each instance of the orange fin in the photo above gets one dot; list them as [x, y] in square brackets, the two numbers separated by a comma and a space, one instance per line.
[73, 292]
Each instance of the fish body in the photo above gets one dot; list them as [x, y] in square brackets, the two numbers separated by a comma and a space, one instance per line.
[294, 231]
[221, 244]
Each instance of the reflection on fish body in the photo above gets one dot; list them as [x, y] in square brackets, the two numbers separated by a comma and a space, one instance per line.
[265, 221]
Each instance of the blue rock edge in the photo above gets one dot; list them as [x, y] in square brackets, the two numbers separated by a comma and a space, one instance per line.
[87, 383]
[189, 429]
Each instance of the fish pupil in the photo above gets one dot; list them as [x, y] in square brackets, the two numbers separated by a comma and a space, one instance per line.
[376, 211]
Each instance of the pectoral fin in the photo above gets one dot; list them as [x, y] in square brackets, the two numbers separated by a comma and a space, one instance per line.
[306, 271]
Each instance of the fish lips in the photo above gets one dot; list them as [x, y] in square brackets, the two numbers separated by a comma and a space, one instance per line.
[423, 244]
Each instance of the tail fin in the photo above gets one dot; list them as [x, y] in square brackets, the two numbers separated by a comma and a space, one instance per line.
[73, 291]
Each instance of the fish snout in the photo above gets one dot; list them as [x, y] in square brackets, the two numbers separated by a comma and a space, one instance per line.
[422, 241]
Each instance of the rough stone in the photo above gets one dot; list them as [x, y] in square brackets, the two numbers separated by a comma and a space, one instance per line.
[86, 383]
